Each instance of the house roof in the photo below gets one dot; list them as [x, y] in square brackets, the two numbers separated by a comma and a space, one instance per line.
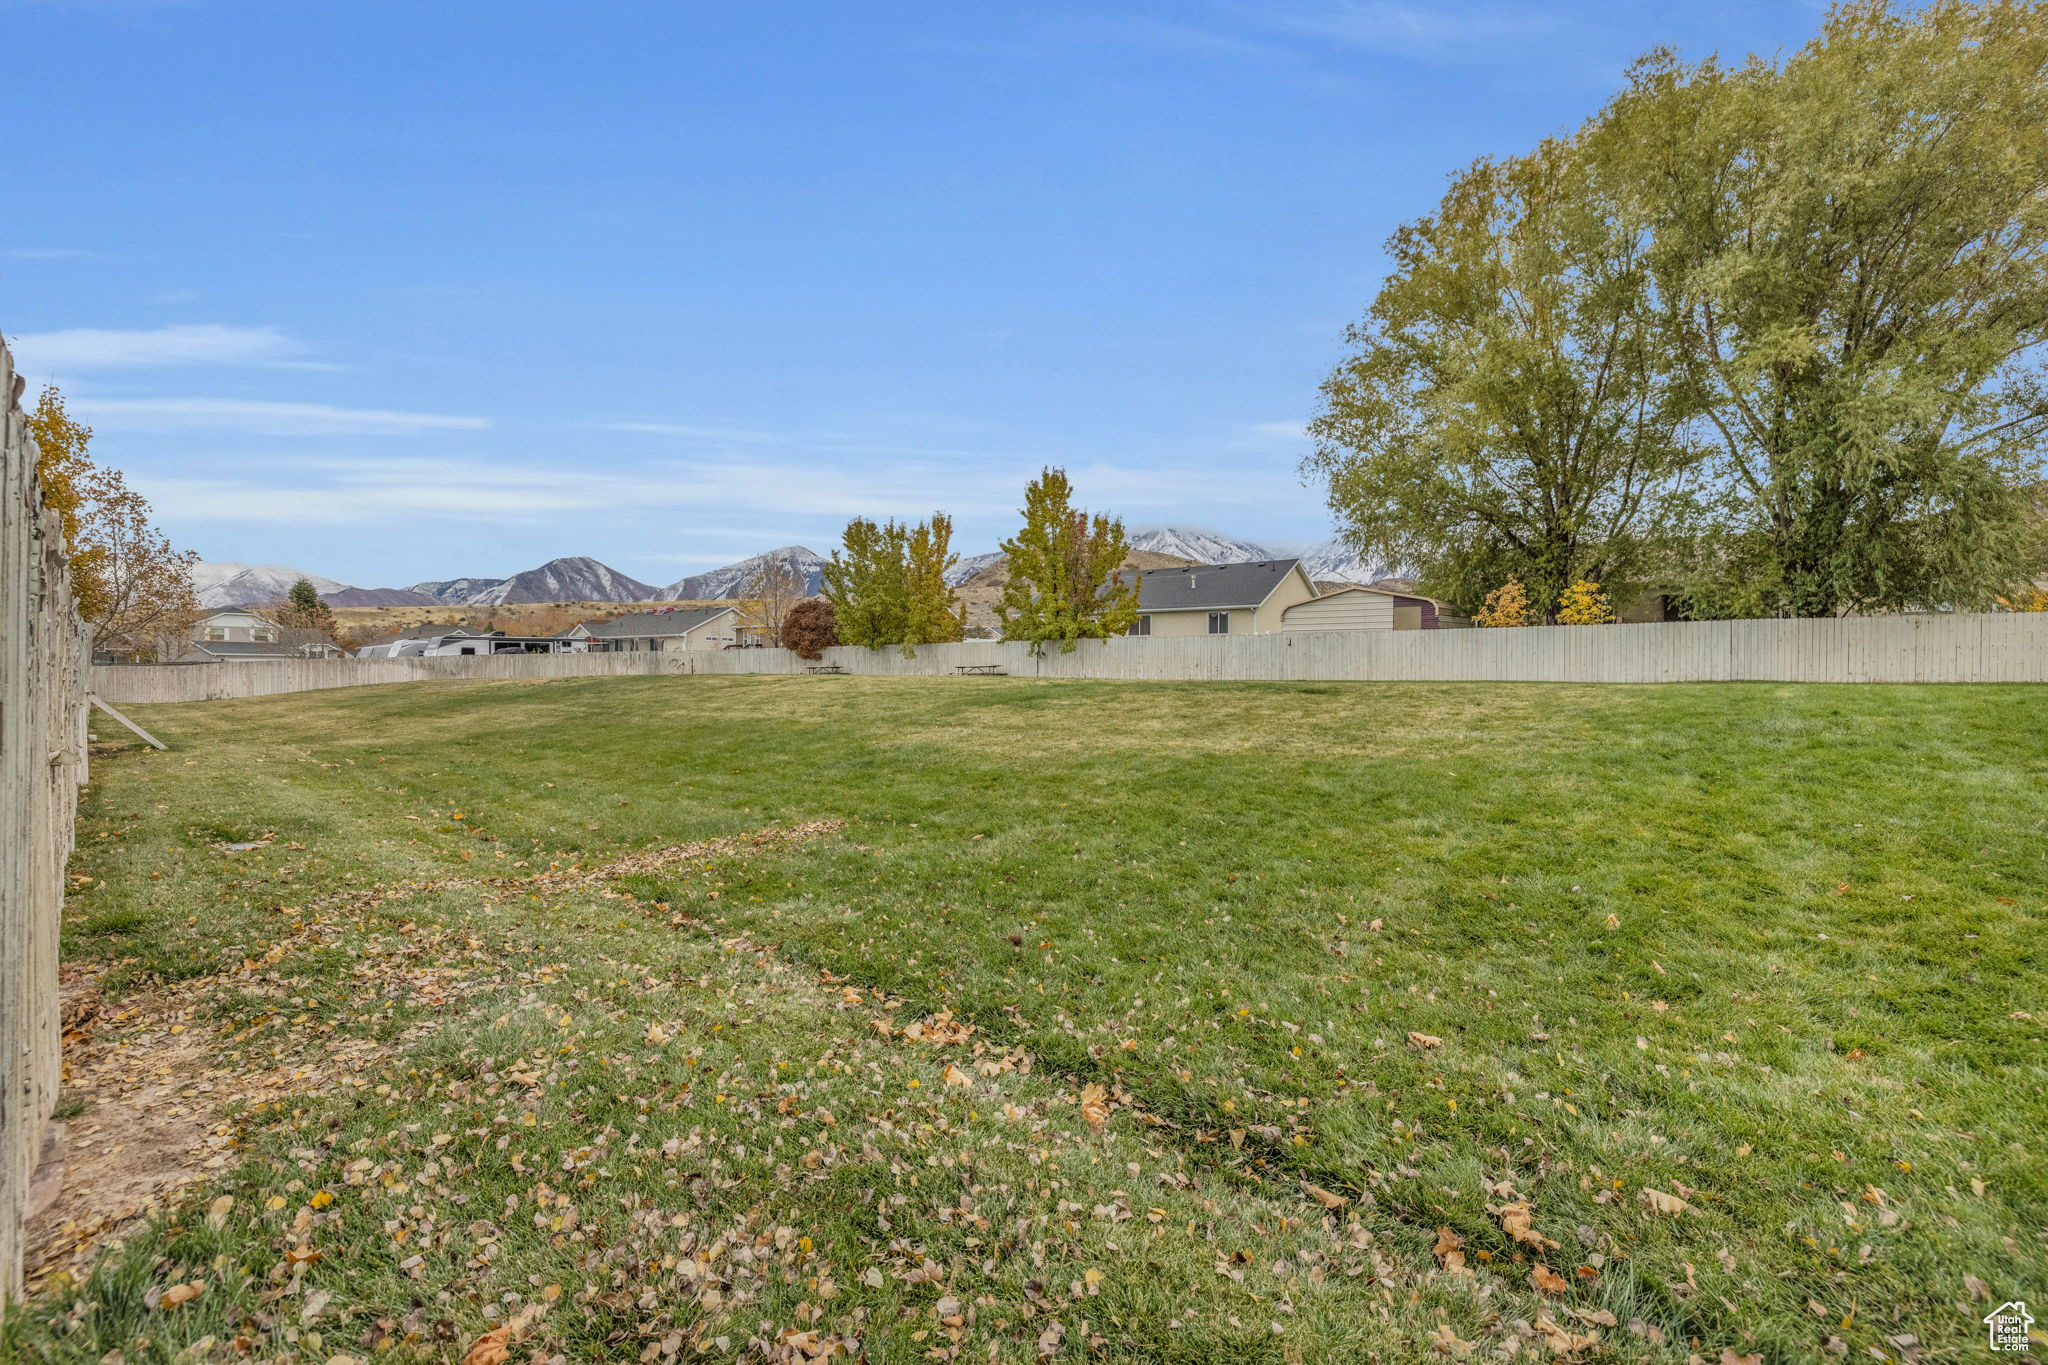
[1208, 587]
[246, 649]
[678, 621]
[433, 630]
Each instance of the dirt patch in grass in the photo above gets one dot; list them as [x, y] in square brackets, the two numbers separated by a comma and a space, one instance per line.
[146, 1090]
[137, 1089]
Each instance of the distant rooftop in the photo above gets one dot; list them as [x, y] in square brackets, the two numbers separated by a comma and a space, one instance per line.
[1208, 587]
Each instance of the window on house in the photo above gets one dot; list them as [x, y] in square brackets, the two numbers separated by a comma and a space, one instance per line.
[216, 632]
[1141, 626]
[1219, 623]
[654, 644]
[261, 634]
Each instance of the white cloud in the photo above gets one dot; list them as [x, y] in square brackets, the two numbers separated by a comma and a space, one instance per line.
[263, 418]
[206, 343]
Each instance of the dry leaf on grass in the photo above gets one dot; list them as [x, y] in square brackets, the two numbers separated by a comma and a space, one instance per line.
[1514, 1221]
[1546, 1280]
[955, 1076]
[1322, 1196]
[1445, 1341]
[1424, 1040]
[1095, 1104]
[179, 1294]
[1659, 1202]
[1447, 1250]
[941, 1030]
[1560, 1340]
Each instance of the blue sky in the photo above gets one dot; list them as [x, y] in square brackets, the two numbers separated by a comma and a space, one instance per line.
[397, 291]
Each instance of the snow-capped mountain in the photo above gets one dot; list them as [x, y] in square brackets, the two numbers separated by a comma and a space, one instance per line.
[459, 591]
[731, 581]
[1335, 562]
[225, 583]
[1203, 547]
[969, 566]
[578, 578]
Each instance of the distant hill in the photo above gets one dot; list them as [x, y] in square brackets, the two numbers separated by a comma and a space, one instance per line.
[718, 585]
[1200, 547]
[228, 584]
[970, 566]
[1334, 561]
[578, 578]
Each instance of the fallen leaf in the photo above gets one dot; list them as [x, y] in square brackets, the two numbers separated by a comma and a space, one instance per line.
[1546, 1280]
[1094, 1104]
[1323, 1196]
[1660, 1202]
[179, 1294]
[1424, 1040]
[1514, 1221]
[656, 1035]
[955, 1076]
[1448, 1250]
[1445, 1341]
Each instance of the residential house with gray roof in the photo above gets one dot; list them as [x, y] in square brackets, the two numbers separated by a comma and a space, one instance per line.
[1218, 599]
[665, 628]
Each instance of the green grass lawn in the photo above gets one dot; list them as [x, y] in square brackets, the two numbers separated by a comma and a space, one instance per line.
[1695, 1018]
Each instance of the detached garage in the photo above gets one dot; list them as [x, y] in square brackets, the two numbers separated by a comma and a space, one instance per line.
[1362, 608]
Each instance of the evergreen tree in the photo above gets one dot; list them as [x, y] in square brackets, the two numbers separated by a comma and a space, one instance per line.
[1063, 571]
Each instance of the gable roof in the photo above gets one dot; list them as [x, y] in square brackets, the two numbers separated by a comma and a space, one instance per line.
[1208, 587]
[679, 621]
[246, 649]
[434, 630]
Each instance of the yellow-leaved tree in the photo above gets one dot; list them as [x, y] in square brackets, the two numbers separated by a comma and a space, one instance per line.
[1506, 605]
[134, 591]
[1583, 604]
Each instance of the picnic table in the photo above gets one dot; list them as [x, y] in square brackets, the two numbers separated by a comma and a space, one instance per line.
[981, 670]
[824, 668]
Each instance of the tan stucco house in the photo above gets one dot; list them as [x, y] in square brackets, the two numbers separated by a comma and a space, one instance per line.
[1218, 599]
[670, 628]
[1362, 608]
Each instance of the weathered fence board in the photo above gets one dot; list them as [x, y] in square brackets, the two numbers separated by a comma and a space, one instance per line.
[42, 761]
[2007, 647]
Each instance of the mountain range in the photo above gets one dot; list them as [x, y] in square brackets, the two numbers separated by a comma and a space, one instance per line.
[582, 579]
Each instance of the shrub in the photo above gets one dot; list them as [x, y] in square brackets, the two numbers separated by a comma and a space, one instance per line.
[1583, 604]
[811, 628]
[1506, 605]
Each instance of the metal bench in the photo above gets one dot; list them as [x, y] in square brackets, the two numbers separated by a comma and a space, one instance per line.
[981, 670]
[824, 668]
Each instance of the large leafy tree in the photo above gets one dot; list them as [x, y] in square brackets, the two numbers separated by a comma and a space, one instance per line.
[1063, 566]
[887, 584]
[1851, 258]
[932, 614]
[864, 583]
[1507, 412]
[133, 589]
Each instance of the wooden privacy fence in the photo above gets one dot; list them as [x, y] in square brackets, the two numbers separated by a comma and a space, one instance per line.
[42, 762]
[2006, 647]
